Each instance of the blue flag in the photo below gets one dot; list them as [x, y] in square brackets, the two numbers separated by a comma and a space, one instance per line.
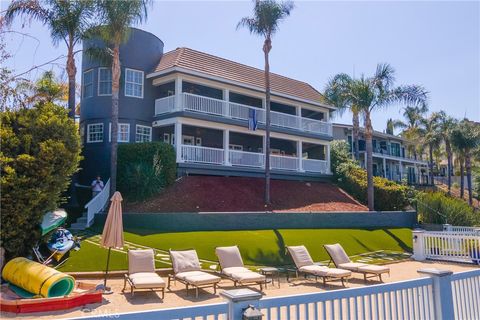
[252, 119]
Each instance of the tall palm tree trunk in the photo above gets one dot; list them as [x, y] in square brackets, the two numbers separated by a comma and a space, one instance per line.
[71, 72]
[355, 133]
[468, 168]
[369, 164]
[267, 46]
[449, 165]
[114, 134]
[462, 187]
[430, 164]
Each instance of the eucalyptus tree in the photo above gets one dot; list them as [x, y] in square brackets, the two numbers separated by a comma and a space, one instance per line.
[67, 20]
[431, 137]
[334, 95]
[116, 19]
[369, 94]
[267, 15]
[446, 125]
[466, 138]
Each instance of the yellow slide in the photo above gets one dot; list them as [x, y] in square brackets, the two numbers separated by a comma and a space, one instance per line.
[37, 278]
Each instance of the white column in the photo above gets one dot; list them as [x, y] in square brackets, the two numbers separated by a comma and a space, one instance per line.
[327, 156]
[384, 168]
[178, 140]
[442, 293]
[264, 150]
[299, 155]
[226, 149]
[226, 97]
[418, 245]
[401, 170]
[178, 94]
[365, 163]
[298, 112]
[240, 299]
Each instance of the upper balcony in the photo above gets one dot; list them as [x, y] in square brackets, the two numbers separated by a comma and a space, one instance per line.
[231, 110]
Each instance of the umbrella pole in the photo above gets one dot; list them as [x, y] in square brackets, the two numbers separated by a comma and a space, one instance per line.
[106, 271]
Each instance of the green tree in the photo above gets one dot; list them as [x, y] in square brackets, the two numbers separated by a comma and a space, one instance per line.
[116, 19]
[431, 136]
[267, 15]
[334, 94]
[49, 89]
[40, 151]
[411, 126]
[67, 21]
[368, 94]
[446, 126]
[466, 138]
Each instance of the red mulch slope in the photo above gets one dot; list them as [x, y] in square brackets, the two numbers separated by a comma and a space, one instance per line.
[227, 194]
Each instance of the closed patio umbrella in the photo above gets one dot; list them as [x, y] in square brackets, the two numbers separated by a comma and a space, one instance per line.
[112, 236]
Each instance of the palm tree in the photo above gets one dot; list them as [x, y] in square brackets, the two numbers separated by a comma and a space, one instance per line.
[116, 18]
[267, 15]
[67, 21]
[431, 137]
[413, 116]
[466, 138]
[446, 126]
[370, 94]
[334, 95]
[49, 89]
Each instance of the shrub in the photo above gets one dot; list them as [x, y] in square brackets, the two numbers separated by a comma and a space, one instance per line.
[40, 151]
[437, 207]
[389, 195]
[144, 169]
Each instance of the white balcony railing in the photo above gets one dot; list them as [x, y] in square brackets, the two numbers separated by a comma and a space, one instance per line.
[284, 163]
[222, 108]
[201, 154]
[313, 165]
[165, 105]
[246, 159]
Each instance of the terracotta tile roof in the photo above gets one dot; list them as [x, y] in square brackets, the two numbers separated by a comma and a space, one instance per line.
[233, 71]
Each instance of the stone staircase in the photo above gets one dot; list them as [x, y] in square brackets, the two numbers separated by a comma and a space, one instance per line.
[80, 224]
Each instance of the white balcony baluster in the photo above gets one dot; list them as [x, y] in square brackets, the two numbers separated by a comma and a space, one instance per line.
[247, 159]
[202, 154]
[165, 105]
[313, 165]
[283, 162]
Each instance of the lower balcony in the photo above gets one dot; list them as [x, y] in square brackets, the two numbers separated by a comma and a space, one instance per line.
[217, 156]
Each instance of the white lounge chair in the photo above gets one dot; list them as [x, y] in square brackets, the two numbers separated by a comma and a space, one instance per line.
[141, 272]
[232, 267]
[342, 261]
[304, 264]
[187, 270]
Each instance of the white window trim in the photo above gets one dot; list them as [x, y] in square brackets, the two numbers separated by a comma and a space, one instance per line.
[98, 83]
[110, 132]
[143, 81]
[83, 83]
[88, 132]
[142, 126]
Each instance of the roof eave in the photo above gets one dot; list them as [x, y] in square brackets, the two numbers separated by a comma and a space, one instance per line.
[237, 83]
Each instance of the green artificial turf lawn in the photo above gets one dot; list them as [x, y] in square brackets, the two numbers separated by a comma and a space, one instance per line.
[258, 247]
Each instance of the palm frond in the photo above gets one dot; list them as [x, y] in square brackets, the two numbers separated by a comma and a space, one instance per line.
[267, 15]
[32, 8]
[103, 55]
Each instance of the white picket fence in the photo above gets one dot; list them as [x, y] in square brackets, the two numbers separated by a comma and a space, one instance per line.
[441, 295]
[98, 203]
[461, 245]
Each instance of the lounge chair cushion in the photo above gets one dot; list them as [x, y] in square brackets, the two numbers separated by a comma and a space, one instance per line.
[229, 257]
[370, 268]
[353, 266]
[338, 255]
[300, 256]
[241, 274]
[145, 280]
[198, 277]
[184, 261]
[141, 261]
[325, 271]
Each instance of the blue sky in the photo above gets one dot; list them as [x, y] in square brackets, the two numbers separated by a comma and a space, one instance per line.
[432, 43]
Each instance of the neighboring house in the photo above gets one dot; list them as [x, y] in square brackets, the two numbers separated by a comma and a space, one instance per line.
[390, 157]
[207, 108]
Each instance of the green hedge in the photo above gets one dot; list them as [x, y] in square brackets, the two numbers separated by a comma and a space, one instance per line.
[388, 195]
[144, 169]
[437, 207]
